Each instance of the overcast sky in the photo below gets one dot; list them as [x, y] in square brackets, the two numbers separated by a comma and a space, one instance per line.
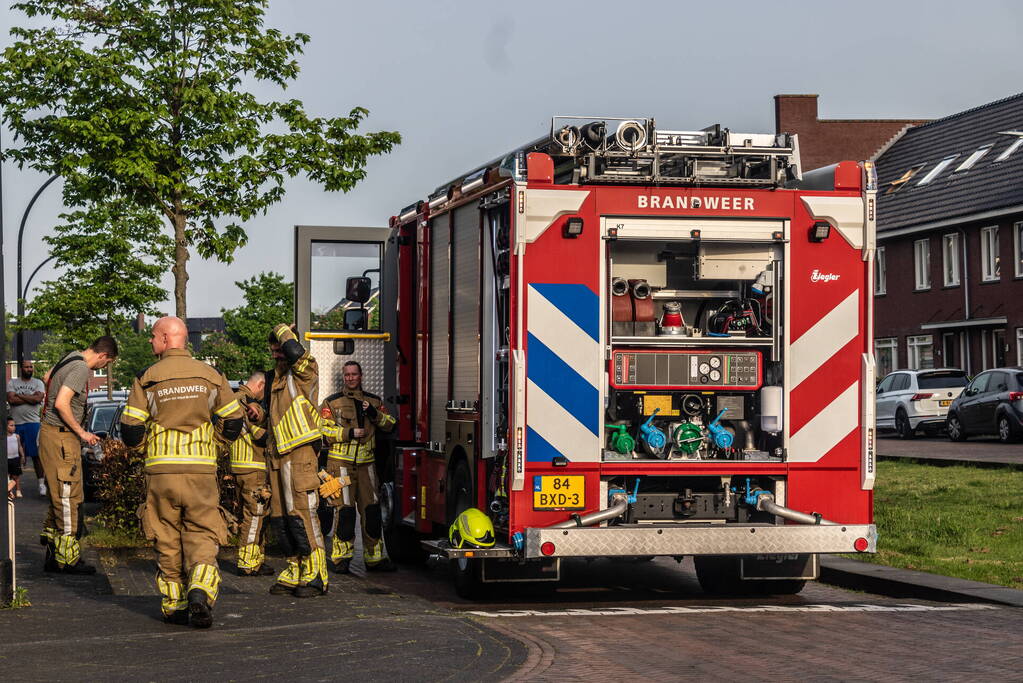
[464, 82]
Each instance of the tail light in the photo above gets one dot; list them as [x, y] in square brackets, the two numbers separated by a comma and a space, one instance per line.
[920, 397]
[1015, 395]
[547, 548]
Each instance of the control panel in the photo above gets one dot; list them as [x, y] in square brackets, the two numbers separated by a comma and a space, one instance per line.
[686, 369]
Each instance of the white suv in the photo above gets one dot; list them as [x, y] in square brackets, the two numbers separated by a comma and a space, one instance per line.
[908, 400]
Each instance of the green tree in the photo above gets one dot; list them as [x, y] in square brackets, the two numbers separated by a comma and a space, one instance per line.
[242, 348]
[110, 257]
[149, 99]
[136, 354]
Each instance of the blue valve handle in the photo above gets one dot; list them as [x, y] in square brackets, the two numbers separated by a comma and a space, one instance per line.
[721, 436]
[653, 436]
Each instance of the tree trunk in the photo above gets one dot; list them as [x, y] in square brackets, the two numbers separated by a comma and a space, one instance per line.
[180, 261]
[110, 368]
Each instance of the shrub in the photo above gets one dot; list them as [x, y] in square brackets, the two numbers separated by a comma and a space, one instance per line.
[121, 488]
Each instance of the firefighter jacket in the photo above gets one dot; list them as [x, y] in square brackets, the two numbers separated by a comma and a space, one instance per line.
[170, 413]
[341, 413]
[293, 395]
[247, 450]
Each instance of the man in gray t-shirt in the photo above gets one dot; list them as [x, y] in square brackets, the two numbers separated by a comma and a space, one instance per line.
[25, 395]
[60, 448]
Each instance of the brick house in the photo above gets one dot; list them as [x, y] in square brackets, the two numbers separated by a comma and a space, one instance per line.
[949, 276]
[827, 141]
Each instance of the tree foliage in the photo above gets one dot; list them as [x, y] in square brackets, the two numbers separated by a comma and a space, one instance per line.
[136, 354]
[110, 257]
[149, 100]
[242, 348]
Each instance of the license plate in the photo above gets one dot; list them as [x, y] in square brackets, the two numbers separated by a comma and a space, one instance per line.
[559, 492]
[945, 404]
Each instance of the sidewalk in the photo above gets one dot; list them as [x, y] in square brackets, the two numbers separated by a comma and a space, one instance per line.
[975, 451]
[108, 627]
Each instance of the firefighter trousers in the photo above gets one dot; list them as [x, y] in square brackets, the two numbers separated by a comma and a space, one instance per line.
[253, 494]
[61, 454]
[293, 502]
[182, 518]
[360, 495]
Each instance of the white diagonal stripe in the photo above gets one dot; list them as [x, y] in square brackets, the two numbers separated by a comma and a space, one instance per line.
[564, 337]
[827, 428]
[824, 339]
[555, 424]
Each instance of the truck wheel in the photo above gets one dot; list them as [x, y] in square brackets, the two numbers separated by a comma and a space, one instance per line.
[902, 426]
[460, 492]
[954, 427]
[719, 575]
[401, 540]
[469, 578]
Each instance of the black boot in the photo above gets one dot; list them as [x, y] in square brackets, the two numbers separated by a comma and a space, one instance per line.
[79, 567]
[314, 588]
[178, 617]
[282, 589]
[50, 563]
[384, 565]
[199, 613]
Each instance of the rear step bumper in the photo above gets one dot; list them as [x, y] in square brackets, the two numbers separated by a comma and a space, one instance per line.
[731, 539]
[444, 549]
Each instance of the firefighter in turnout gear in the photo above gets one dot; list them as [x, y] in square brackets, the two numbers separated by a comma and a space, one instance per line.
[248, 465]
[294, 436]
[60, 448]
[169, 414]
[351, 419]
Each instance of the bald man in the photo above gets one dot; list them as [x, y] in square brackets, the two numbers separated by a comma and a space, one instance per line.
[61, 436]
[169, 416]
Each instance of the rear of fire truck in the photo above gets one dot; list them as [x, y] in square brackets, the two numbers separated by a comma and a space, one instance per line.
[620, 341]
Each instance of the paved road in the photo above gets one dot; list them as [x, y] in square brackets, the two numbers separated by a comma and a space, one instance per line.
[608, 619]
[978, 449]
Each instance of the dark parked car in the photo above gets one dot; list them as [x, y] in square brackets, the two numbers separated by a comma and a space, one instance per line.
[102, 418]
[991, 404]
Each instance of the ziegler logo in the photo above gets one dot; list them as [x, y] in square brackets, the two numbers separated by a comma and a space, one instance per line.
[818, 276]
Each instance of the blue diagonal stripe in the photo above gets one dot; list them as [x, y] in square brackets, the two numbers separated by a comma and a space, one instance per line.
[577, 302]
[539, 449]
[563, 384]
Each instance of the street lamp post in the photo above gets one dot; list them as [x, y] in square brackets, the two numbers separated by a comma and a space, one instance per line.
[6, 520]
[23, 291]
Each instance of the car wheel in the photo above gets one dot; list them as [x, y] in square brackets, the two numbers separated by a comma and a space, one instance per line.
[955, 430]
[1006, 434]
[902, 426]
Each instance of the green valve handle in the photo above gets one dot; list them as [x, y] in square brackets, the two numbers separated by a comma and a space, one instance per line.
[688, 438]
[621, 440]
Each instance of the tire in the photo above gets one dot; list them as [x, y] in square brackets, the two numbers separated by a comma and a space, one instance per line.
[902, 425]
[469, 579]
[1006, 434]
[401, 540]
[460, 496]
[954, 428]
[720, 575]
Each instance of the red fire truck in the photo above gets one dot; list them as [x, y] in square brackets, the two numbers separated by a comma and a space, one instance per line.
[620, 341]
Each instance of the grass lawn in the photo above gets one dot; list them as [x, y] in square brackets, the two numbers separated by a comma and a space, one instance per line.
[950, 520]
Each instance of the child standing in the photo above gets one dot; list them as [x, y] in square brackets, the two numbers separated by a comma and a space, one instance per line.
[15, 456]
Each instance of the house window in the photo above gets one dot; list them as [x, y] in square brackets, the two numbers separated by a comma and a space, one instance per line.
[950, 258]
[885, 353]
[922, 263]
[990, 269]
[1011, 148]
[880, 274]
[998, 348]
[100, 372]
[948, 350]
[941, 166]
[1019, 346]
[921, 352]
[1017, 247]
[897, 185]
[973, 159]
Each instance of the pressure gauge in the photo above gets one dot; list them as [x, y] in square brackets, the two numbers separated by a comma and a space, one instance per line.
[715, 362]
[715, 375]
[704, 368]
